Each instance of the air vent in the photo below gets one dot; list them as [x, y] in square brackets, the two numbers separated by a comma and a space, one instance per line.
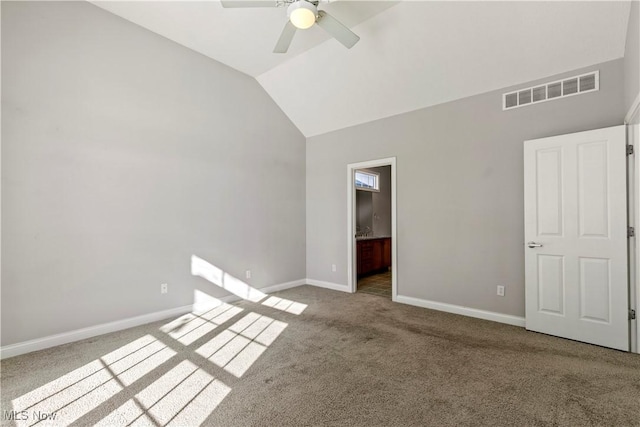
[588, 82]
[569, 87]
[524, 97]
[554, 90]
[511, 100]
[539, 93]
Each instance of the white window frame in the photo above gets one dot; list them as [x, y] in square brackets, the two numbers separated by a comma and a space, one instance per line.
[376, 175]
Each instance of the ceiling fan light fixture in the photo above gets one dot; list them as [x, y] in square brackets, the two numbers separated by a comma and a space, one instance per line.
[302, 14]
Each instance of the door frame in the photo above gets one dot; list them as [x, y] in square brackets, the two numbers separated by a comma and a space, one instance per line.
[632, 120]
[352, 271]
[633, 186]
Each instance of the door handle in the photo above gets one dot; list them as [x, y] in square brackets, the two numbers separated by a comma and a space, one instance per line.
[534, 245]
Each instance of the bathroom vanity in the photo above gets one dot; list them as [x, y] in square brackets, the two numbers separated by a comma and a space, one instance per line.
[373, 254]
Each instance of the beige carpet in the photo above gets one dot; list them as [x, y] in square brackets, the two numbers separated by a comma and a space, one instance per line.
[345, 359]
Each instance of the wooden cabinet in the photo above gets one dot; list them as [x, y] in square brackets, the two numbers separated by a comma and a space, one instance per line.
[365, 256]
[386, 252]
[373, 255]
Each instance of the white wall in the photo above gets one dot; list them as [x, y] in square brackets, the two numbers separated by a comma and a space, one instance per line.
[459, 189]
[124, 154]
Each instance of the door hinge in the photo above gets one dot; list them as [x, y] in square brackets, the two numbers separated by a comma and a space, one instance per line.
[631, 232]
[632, 314]
[629, 150]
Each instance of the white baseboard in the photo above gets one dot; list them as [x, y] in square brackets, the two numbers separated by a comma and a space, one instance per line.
[284, 286]
[118, 325]
[91, 331]
[465, 311]
[328, 285]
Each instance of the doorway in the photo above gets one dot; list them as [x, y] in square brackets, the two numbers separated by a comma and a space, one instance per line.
[372, 186]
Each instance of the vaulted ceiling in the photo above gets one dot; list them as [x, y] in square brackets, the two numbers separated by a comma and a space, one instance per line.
[411, 55]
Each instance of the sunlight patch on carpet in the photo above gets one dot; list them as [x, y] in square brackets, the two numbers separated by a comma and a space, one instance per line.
[75, 394]
[238, 347]
[185, 395]
[285, 305]
[193, 326]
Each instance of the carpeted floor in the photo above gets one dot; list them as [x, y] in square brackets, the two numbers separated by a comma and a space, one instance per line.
[344, 359]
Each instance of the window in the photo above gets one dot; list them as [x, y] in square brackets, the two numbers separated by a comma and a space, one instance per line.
[367, 181]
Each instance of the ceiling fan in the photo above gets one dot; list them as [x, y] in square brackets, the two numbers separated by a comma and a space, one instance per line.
[302, 14]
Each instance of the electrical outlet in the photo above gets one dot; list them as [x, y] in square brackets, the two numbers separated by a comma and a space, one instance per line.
[333, 268]
[247, 274]
[500, 290]
[164, 288]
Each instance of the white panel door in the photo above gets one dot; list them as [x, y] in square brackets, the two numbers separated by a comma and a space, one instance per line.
[575, 190]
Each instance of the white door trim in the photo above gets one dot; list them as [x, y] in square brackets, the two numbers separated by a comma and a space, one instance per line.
[634, 247]
[352, 272]
[632, 220]
[632, 120]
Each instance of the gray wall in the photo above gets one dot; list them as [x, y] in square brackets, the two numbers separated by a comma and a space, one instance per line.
[632, 57]
[124, 154]
[460, 198]
[364, 210]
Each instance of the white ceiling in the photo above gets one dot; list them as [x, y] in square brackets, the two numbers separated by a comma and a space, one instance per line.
[411, 55]
[240, 38]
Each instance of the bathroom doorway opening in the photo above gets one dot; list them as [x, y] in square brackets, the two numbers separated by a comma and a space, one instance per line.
[371, 227]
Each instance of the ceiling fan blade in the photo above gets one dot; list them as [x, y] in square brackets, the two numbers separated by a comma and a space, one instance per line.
[284, 41]
[338, 30]
[248, 3]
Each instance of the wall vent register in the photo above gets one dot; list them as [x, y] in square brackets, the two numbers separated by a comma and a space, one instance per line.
[571, 86]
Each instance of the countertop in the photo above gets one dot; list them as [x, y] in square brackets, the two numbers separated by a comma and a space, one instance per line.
[372, 237]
